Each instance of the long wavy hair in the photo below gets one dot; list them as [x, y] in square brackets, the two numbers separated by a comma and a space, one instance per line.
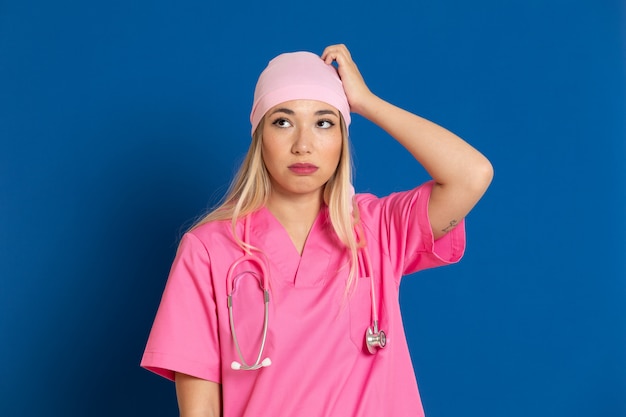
[251, 187]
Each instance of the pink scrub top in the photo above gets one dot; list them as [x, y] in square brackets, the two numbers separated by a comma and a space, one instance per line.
[320, 365]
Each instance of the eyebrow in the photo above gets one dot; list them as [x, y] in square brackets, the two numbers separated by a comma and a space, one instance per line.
[291, 112]
[323, 112]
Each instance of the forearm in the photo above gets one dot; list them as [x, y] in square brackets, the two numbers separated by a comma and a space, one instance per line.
[448, 159]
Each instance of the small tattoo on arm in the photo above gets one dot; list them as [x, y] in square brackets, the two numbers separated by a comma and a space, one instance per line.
[451, 226]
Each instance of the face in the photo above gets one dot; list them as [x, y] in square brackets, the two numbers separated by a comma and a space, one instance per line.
[301, 146]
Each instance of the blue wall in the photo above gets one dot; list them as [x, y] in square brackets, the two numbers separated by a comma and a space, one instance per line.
[121, 121]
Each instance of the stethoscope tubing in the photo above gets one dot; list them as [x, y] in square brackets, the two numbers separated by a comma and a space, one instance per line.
[374, 337]
[258, 363]
[230, 283]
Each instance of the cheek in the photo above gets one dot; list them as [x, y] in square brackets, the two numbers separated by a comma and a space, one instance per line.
[335, 149]
[268, 150]
[268, 158]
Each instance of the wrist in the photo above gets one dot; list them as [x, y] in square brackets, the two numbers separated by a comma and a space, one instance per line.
[370, 107]
[367, 105]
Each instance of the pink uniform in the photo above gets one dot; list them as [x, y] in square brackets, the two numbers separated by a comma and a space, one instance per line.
[320, 365]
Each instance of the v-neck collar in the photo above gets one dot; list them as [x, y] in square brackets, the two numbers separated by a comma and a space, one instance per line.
[307, 270]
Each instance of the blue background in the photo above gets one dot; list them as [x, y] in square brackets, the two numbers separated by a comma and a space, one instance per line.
[120, 121]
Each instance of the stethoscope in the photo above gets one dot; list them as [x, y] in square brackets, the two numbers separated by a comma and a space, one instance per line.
[374, 338]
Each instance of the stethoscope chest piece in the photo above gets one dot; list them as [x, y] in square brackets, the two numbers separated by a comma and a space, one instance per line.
[375, 339]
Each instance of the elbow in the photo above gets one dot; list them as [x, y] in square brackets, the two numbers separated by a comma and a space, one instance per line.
[480, 177]
[471, 178]
[486, 173]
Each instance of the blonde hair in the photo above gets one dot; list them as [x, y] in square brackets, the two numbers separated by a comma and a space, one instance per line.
[251, 187]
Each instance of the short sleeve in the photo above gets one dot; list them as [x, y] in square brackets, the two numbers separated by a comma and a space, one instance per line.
[184, 336]
[400, 225]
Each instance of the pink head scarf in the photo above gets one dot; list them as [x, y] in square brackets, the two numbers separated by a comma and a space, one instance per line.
[295, 76]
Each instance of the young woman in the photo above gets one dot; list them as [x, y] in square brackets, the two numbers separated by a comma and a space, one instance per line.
[284, 300]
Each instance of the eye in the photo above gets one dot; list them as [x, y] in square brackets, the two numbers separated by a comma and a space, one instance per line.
[325, 124]
[281, 122]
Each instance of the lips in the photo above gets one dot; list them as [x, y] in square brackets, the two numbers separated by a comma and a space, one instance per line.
[303, 169]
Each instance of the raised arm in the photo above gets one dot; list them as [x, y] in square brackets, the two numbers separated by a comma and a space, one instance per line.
[461, 173]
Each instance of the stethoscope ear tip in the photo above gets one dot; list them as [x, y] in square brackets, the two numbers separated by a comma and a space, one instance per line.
[237, 366]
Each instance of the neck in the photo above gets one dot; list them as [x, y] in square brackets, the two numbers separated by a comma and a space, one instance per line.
[301, 210]
[297, 215]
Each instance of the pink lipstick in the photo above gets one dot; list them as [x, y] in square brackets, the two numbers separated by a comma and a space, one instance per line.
[303, 169]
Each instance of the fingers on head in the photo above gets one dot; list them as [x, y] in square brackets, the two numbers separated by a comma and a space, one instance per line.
[333, 52]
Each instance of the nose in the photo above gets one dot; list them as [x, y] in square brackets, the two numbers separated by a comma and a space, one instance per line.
[302, 142]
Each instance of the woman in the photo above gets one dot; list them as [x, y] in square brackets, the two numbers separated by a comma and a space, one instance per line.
[330, 340]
